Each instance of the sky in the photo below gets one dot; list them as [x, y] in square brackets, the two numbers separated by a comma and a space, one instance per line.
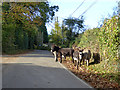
[99, 11]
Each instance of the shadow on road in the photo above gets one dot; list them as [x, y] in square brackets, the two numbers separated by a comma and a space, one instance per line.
[27, 75]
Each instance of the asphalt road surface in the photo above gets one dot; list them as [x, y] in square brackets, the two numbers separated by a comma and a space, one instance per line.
[39, 70]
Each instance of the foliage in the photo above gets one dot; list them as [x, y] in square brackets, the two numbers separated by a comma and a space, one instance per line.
[56, 34]
[89, 39]
[65, 35]
[74, 24]
[105, 41]
[23, 24]
[109, 38]
[74, 27]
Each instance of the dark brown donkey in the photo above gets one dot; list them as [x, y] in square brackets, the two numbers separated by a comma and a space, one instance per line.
[62, 51]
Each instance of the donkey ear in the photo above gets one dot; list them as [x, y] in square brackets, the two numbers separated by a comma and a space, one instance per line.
[82, 50]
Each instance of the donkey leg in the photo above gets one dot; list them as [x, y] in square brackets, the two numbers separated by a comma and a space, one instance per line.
[80, 61]
[72, 59]
[77, 63]
[65, 57]
[60, 58]
[55, 54]
[83, 61]
[87, 62]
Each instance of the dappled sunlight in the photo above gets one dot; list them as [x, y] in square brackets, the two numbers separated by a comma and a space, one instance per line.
[8, 60]
[39, 53]
[39, 57]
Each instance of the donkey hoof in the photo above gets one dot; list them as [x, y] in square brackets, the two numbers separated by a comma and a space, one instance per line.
[56, 60]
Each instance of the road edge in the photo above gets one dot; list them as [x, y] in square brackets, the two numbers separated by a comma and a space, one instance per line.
[76, 76]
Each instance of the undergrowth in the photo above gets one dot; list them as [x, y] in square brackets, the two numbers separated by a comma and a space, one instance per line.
[108, 70]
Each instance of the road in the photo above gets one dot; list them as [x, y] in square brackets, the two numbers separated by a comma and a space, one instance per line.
[38, 70]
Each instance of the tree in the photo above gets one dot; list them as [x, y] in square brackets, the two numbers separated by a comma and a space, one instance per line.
[21, 22]
[74, 26]
[56, 34]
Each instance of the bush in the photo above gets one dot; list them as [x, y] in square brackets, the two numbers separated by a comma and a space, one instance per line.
[108, 38]
[106, 41]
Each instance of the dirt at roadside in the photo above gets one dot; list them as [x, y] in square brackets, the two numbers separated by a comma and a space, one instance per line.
[94, 80]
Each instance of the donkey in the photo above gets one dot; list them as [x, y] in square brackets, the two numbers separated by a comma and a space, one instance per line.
[62, 51]
[86, 55]
[77, 55]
